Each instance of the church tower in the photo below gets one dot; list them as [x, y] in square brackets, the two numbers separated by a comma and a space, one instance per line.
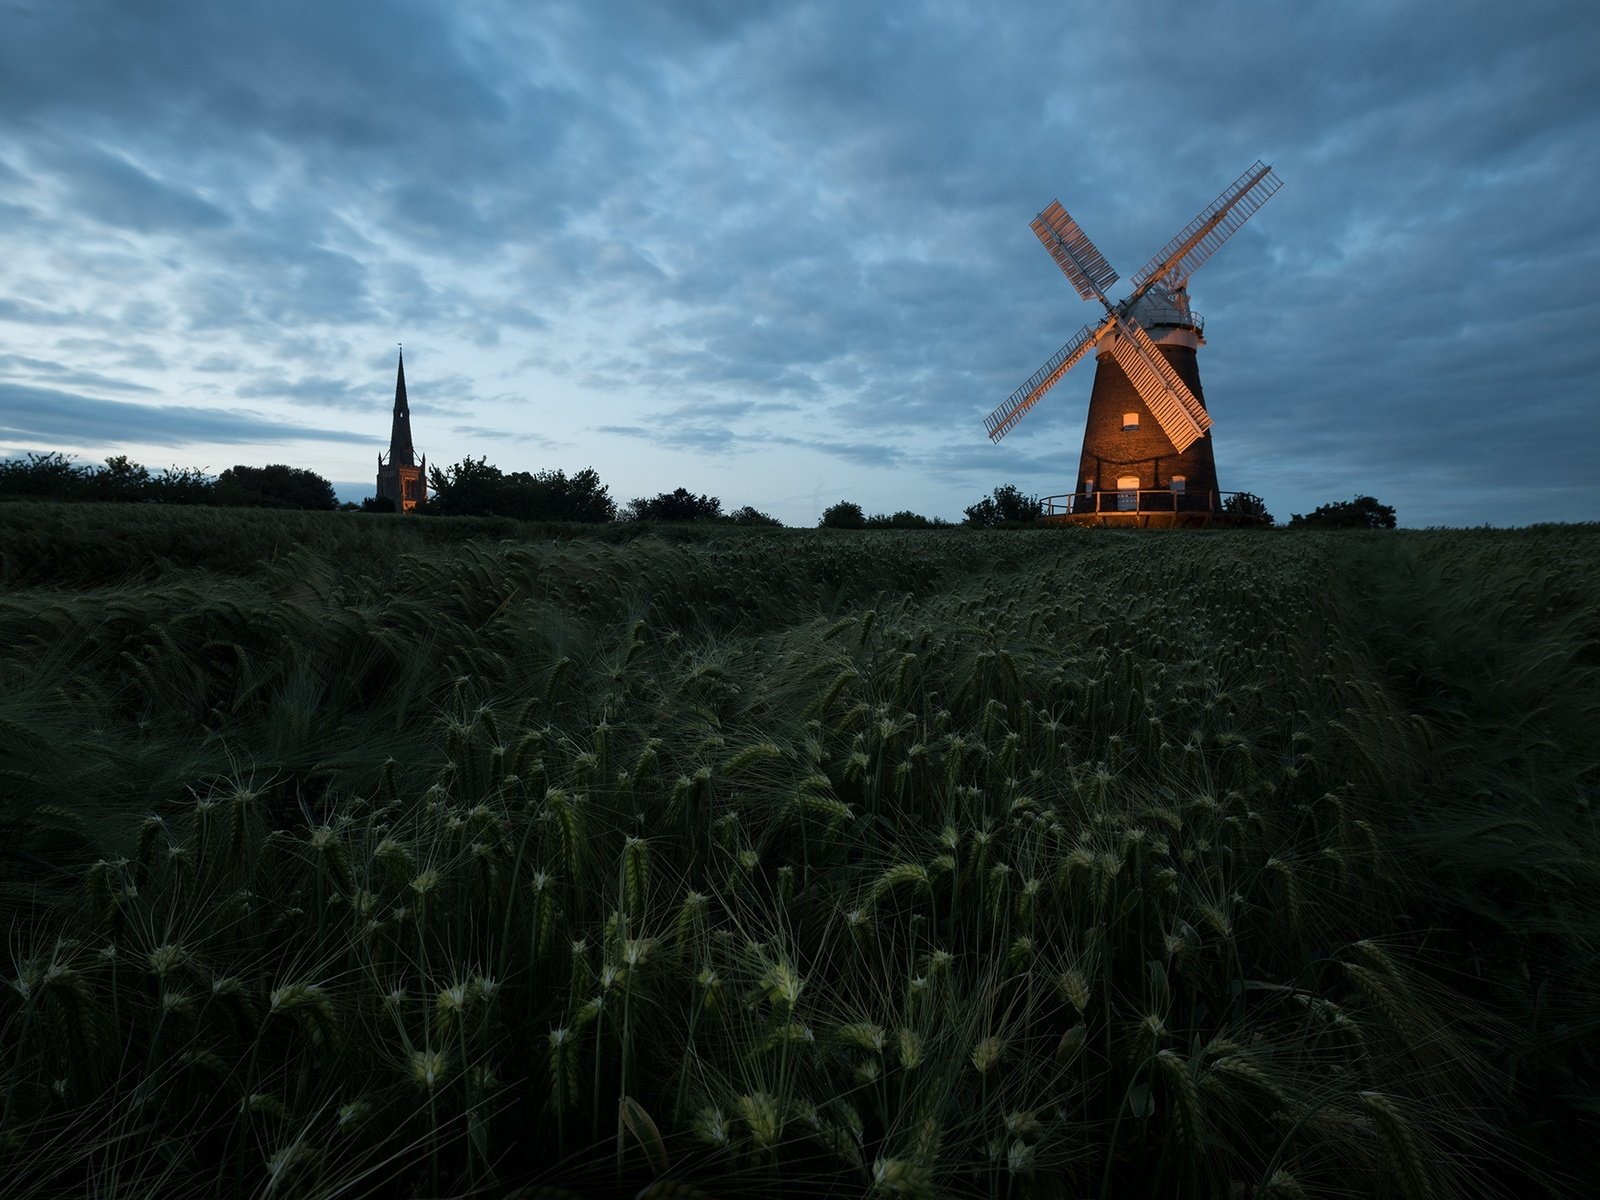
[402, 479]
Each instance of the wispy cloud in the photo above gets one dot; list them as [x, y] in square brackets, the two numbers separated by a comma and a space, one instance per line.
[49, 416]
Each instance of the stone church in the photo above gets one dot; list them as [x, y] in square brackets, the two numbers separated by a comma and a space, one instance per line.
[402, 478]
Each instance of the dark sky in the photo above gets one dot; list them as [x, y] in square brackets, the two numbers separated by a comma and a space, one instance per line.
[780, 252]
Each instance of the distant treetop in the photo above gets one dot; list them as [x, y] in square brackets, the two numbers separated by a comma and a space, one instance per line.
[1362, 512]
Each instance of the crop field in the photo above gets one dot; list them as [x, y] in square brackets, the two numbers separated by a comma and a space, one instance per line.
[344, 855]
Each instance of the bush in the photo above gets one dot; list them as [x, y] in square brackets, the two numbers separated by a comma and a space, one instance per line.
[470, 488]
[55, 476]
[182, 485]
[1248, 504]
[749, 515]
[119, 479]
[275, 486]
[1362, 512]
[905, 519]
[678, 505]
[844, 515]
[1006, 507]
[477, 488]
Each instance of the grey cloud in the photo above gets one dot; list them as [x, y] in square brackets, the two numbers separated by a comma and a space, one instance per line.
[483, 433]
[721, 440]
[50, 416]
[25, 312]
[861, 453]
[132, 354]
[115, 191]
[60, 373]
[700, 439]
[315, 392]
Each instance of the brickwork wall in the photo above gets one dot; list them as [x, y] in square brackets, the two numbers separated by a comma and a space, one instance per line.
[1109, 451]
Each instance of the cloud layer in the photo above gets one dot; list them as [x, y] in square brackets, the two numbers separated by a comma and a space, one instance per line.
[780, 251]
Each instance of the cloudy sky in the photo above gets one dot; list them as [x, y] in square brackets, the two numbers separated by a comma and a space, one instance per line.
[779, 252]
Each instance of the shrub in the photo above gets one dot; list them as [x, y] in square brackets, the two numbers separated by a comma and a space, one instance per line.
[1248, 504]
[274, 486]
[183, 485]
[844, 515]
[1006, 507]
[53, 474]
[679, 504]
[477, 488]
[749, 515]
[905, 519]
[1362, 512]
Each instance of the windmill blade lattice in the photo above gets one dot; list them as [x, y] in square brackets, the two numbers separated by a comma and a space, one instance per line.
[1217, 222]
[1078, 257]
[1139, 366]
[1176, 409]
[1000, 421]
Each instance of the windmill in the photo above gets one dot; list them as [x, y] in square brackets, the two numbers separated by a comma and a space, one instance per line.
[1146, 445]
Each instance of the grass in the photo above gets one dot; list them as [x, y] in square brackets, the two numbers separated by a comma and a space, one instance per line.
[350, 856]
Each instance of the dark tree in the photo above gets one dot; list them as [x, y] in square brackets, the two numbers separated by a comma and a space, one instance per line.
[678, 505]
[183, 485]
[1008, 506]
[905, 519]
[378, 504]
[53, 475]
[119, 479]
[1362, 512]
[554, 496]
[844, 515]
[57, 477]
[477, 488]
[275, 486]
[749, 515]
[1248, 504]
[470, 488]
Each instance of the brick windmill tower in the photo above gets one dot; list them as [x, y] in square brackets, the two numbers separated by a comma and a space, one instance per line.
[402, 479]
[1147, 457]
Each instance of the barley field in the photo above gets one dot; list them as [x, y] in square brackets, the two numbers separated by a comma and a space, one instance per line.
[344, 855]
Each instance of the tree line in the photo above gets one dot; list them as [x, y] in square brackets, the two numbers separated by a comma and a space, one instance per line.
[474, 487]
[55, 476]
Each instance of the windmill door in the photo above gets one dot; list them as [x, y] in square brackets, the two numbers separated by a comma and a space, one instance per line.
[1127, 492]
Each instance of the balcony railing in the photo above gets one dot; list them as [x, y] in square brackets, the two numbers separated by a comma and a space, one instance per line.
[1141, 500]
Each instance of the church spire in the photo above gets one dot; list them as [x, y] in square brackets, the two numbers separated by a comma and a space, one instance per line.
[401, 452]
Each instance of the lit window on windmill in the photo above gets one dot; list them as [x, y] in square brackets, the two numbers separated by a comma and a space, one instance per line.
[1130, 421]
[1179, 482]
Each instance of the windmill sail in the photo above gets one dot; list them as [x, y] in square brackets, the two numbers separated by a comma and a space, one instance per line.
[1176, 409]
[1217, 222]
[1074, 253]
[1000, 421]
[1153, 376]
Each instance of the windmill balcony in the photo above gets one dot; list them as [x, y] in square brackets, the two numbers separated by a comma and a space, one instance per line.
[1112, 502]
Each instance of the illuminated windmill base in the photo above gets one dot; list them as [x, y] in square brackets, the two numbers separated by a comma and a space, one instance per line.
[1130, 473]
[1147, 457]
